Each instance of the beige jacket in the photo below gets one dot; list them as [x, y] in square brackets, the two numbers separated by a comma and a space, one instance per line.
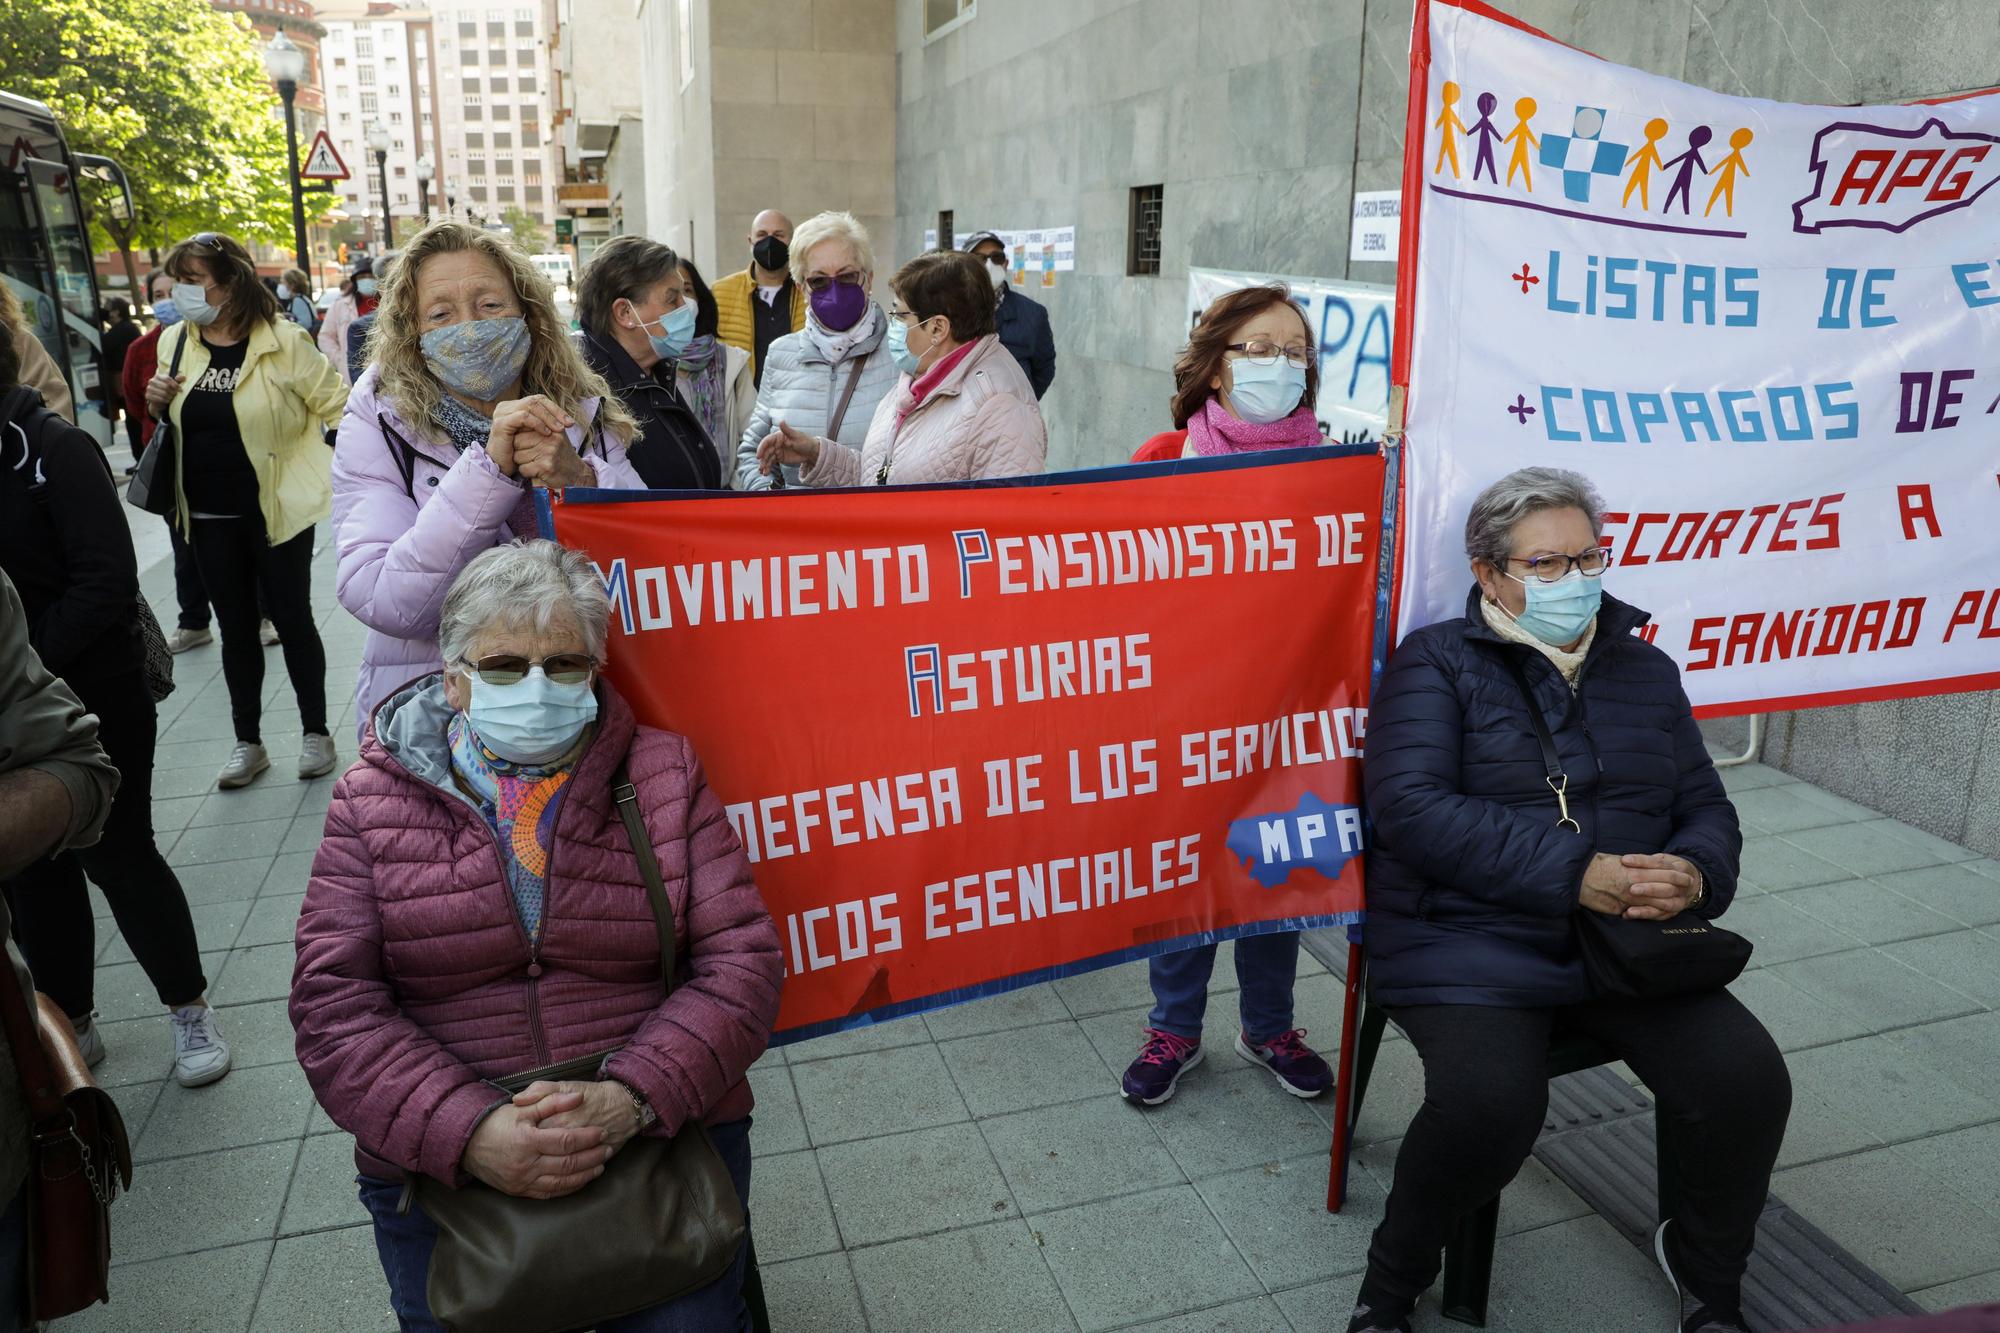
[982, 421]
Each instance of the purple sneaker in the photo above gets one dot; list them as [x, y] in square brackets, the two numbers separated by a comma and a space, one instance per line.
[1150, 1079]
[1298, 1070]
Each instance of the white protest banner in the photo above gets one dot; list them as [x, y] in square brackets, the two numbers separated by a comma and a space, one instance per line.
[1037, 254]
[1353, 322]
[1769, 333]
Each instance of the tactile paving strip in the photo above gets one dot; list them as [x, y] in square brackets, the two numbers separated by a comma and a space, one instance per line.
[1598, 1140]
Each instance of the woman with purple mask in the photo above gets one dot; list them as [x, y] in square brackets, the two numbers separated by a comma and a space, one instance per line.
[828, 378]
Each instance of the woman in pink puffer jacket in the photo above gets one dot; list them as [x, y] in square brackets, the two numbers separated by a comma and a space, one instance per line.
[964, 411]
[476, 911]
[475, 396]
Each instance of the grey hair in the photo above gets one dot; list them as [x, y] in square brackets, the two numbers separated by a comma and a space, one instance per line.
[822, 227]
[1490, 526]
[524, 584]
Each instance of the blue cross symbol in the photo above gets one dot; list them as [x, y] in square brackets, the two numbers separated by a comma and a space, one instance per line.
[1582, 155]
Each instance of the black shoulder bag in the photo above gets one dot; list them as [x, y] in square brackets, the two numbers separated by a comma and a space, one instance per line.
[152, 487]
[1636, 960]
[663, 1220]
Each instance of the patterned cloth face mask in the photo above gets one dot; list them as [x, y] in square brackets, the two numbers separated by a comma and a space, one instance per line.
[480, 358]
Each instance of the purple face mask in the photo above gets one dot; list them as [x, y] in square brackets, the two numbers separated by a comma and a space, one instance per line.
[839, 306]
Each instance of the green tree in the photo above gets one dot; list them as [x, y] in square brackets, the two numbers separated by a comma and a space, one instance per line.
[529, 233]
[176, 92]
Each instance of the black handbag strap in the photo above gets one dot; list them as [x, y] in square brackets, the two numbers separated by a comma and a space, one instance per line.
[846, 397]
[1554, 775]
[627, 798]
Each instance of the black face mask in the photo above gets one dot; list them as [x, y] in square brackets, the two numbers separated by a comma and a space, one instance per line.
[772, 254]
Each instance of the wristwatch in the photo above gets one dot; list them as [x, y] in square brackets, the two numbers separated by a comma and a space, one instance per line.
[648, 1117]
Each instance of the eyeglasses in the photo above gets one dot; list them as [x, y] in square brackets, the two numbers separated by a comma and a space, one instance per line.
[508, 669]
[998, 258]
[1556, 568]
[819, 282]
[1260, 353]
[906, 315]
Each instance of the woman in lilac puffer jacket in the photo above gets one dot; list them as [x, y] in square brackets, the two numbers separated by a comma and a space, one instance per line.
[476, 911]
[476, 396]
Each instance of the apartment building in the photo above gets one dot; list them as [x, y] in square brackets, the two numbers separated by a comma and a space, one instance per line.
[497, 127]
[381, 68]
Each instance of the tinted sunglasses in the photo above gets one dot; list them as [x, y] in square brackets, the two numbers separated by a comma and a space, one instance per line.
[507, 669]
[819, 282]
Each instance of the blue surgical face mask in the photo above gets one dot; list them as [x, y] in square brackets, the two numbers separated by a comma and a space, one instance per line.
[1558, 613]
[898, 343]
[1265, 394]
[480, 358]
[676, 330]
[366, 286]
[165, 311]
[191, 300]
[532, 721]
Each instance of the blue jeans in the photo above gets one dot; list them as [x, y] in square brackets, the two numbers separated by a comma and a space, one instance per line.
[405, 1242]
[1266, 966]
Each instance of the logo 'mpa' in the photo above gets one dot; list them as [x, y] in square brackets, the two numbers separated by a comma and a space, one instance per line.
[1892, 179]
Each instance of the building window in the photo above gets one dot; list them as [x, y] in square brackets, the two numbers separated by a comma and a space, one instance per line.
[468, 31]
[402, 171]
[474, 113]
[470, 87]
[396, 144]
[395, 117]
[472, 99]
[427, 117]
[944, 231]
[367, 76]
[533, 193]
[502, 111]
[941, 16]
[475, 139]
[364, 46]
[469, 56]
[498, 83]
[403, 196]
[524, 27]
[503, 139]
[1142, 253]
[395, 90]
[368, 104]
[340, 62]
[341, 91]
[526, 83]
[505, 194]
[525, 56]
[478, 193]
[532, 169]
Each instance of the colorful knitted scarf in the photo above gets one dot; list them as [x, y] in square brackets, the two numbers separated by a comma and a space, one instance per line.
[520, 802]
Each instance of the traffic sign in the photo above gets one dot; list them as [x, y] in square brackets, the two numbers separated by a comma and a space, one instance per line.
[322, 163]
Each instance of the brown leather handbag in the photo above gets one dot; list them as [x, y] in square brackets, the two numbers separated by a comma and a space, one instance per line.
[662, 1221]
[78, 1157]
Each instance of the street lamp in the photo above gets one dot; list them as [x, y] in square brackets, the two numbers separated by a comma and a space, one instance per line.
[379, 140]
[424, 173]
[286, 64]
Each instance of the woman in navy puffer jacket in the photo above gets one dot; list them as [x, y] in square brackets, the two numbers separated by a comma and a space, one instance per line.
[1474, 887]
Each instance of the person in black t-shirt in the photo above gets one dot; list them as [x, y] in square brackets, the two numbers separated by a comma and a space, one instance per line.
[251, 400]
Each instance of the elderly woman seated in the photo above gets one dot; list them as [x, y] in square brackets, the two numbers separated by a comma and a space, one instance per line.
[1481, 870]
[475, 396]
[477, 911]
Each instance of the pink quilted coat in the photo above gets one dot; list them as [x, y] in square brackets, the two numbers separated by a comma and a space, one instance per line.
[415, 979]
[403, 539]
[981, 421]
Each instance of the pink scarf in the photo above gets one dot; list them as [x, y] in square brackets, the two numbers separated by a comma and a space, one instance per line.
[1213, 431]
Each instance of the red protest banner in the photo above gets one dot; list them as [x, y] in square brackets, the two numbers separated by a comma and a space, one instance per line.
[976, 737]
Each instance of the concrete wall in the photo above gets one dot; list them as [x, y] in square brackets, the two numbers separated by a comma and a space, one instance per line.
[1260, 117]
[625, 172]
[792, 106]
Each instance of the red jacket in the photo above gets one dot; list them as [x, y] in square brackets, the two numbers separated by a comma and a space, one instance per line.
[142, 362]
[415, 980]
[1165, 445]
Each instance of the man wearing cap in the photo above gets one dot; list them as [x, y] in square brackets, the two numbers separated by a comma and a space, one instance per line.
[1022, 323]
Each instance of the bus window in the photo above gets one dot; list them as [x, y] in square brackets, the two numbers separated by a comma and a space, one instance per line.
[69, 250]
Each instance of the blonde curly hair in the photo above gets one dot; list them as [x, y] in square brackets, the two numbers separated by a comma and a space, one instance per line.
[555, 368]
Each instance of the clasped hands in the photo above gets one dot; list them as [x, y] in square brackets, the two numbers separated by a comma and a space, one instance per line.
[530, 440]
[1649, 887]
[552, 1139]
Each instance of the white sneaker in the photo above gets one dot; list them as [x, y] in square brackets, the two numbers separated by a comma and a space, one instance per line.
[200, 1054]
[246, 761]
[183, 639]
[267, 634]
[316, 756]
[91, 1042]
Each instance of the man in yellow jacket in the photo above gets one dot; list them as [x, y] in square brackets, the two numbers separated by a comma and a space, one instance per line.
[761, 302]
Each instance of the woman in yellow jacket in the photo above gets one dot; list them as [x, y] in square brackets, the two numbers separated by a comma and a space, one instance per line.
[250, 400]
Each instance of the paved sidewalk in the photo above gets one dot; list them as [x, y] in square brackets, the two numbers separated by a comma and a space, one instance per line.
[974, 1169]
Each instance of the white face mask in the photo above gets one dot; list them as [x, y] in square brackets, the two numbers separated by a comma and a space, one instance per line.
[284, 291]
[996, 273]
[192, 301]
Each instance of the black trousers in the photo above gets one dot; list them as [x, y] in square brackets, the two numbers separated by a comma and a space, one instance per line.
[1719, 1085]
[188, 589]
[52, 921]
[237, 564]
